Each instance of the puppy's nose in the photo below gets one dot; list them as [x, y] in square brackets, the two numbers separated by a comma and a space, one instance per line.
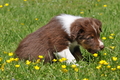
[101, 47]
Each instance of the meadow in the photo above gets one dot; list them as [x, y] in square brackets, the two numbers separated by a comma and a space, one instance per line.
[18, 18]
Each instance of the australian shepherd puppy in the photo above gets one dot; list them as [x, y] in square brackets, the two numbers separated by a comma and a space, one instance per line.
[61, 37]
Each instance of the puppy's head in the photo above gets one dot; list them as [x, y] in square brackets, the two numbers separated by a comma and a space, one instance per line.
[86, 31]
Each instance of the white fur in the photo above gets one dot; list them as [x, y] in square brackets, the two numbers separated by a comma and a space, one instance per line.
[66, 54]
[100, 42]
[66, 21]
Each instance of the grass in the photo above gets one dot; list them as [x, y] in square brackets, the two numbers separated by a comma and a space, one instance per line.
[18, 18]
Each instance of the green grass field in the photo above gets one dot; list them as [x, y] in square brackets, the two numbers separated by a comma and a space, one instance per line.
[18, 18]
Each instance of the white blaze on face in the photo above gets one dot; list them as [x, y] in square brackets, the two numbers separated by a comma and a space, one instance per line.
[100, 42]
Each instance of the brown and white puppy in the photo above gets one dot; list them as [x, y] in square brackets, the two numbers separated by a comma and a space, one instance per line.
[61, 37]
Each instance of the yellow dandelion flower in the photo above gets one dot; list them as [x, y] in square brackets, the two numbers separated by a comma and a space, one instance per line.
[63, 66]
[98, 0]
[7, 4]
[113, 69]
[73, 66]
[114, 58]
[36, 19]
[76, 69]
[64, 70]
[112, 47]
[24, 0]
[40, 56]
[105, 54]
[60, 60]
[104, 5]
[1, 6]
[17, 66]
[10, 54]
[8, 61]
[85, 79]
[54, 60]
[28, 62]
[63, 59]
[104, 38]
[11, 59]
[95, 55]
[5, 52]
[36, 67]
[81, 12]
[112, 34]
[108, 66]
[102, 62]
[98, 67]
[110, 37]
[22, 23]
[118, 67]
[38, 60]
[16, 59]
[0, 59]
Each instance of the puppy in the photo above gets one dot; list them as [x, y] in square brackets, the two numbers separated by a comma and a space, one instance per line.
[61, 37]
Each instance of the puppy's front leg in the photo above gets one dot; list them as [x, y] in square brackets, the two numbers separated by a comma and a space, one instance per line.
[66, 54]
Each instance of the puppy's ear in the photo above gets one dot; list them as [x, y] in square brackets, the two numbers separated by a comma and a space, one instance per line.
[99, 23]
[76, 30]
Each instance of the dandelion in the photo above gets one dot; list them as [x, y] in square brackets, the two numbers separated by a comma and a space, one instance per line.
[63, 66]
[104, 38]
[17, 66]
[104, 5]
[113, 69]
[114, 58]
[98, 0]
[112, 47]
[73, 66]
[40, 56]
[54, 60]
[85, 79]
[112, 34]
[81, 12]
[5, 52]
[103, 62]
[2, 67]
[0, 59]
[95, 55]
[22, 23]
[63, 59]
[110, 37]
[38, 60]
[8, 61]
[11, 59]
[7, 4]
[64, 70]
[118, 67]
[60, 60]
[36, 19]
[24, 0]
[105, 54]
[36, 67]
[76, 69]
[16, 59]
[10, 54]
[108, 66]
[98, 67]
[28, 62]
[1, 6]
